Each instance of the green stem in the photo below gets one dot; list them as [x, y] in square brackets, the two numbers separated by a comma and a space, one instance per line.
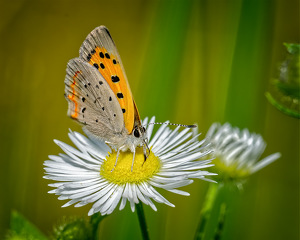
[94, 221]
[142, 220]
[221, 221]
[220, 201]
[205, 212]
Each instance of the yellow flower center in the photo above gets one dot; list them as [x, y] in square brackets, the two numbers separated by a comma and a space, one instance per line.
[228, 172]
[121, 174]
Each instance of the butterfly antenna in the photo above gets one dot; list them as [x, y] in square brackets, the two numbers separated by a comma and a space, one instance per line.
[146, 151]
[174, 124]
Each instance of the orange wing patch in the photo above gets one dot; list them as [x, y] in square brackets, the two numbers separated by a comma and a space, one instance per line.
[72, 96]
[109, 67]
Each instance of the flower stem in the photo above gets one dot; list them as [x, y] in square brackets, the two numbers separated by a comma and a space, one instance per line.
[94, 221]
[206, 210]
[221, 221]
[142, 221]
[221, 200]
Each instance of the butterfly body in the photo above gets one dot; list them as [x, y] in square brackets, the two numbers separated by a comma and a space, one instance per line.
[99, 95]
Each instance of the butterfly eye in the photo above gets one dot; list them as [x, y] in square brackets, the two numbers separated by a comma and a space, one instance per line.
[136, 133]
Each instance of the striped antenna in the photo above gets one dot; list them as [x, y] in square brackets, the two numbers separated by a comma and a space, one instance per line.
[174, 124]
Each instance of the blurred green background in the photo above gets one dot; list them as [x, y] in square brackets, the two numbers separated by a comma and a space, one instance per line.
[186, 61]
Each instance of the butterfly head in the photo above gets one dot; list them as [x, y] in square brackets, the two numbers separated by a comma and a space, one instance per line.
[140, 136]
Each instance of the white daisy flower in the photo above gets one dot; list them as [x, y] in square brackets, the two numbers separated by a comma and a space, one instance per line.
[85, 174]
[237, 152]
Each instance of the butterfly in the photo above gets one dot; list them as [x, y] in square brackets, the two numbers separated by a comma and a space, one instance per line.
[99, 96]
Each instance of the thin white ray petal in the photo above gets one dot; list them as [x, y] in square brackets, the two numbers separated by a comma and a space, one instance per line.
[141, 196]
[180, 192]
[158, 144]
[72, 191]
[123, 203]
[71, 202]
[169, 139]
[116, 200]
[132, 205]
[158, 133]
[175, 142]
[172, 185]
[266, 161]
[104, 198]
[94, 197]
[134, 193]
[150, 128]
[145, 121]
[72, 185]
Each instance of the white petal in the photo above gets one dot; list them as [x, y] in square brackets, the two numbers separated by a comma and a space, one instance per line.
[132, 205]
[123, 203]
[266, 161]
[145, 121]
[69, 203]
[180, 192]
[150, 128]
[173, 185]
[146, 198]
[104, 197]
[157, 134]
[110, 205]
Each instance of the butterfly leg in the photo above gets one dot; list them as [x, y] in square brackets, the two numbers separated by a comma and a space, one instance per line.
[116, 160]
[133, 159]
[146, 152]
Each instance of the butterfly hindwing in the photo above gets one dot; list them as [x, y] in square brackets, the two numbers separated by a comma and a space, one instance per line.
[91, 101]
[99, 51]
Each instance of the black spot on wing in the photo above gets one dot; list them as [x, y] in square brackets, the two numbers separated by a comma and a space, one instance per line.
[115, 79]
[89, 56]
[120, 95]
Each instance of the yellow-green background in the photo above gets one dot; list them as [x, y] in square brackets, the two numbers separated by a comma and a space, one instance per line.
[186, 61]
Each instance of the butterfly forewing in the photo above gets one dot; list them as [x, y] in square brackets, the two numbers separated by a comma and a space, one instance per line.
[100, 51]
[91, 101]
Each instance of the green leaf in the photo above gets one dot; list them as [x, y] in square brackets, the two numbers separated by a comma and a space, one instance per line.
[21, 228]
[292, 48]
[284, 92]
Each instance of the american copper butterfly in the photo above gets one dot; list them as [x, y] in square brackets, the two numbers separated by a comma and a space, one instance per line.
[99, 95]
